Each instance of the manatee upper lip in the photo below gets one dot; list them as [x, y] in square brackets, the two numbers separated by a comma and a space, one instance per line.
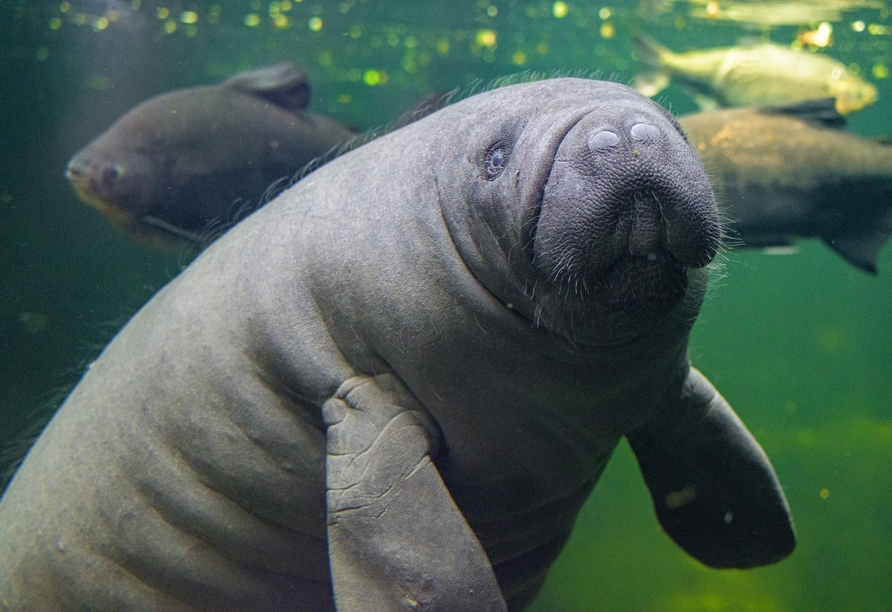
[537, 209]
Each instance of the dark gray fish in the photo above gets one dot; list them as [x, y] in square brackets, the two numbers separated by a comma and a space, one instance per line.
[182, 160]
[790, 172]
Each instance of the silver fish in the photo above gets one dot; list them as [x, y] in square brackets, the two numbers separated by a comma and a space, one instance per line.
[753, 75]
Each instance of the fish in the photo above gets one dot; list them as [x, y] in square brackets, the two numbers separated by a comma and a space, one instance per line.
[788, 172]
[186, 160]
[751, 75]
[769, 13]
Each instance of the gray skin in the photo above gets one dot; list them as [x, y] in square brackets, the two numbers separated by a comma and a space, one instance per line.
[182, 160]
[789, 172]
[393, 387]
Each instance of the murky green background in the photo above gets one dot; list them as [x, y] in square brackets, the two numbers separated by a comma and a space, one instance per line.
[800, 345]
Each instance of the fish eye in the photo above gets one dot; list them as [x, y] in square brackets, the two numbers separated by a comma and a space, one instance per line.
[110, 174]
[494, 161]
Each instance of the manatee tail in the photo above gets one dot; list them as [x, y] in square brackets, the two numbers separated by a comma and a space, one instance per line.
[652, 56]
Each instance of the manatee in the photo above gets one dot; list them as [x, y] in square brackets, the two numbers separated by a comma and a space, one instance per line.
[394, 386]
[182, 160]
[792, 171]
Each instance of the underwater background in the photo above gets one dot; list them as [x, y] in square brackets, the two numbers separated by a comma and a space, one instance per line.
[800, 345]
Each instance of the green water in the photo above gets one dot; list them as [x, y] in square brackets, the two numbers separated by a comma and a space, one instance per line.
[800, 345]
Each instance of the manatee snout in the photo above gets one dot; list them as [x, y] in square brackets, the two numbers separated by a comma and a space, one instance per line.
[627, 208]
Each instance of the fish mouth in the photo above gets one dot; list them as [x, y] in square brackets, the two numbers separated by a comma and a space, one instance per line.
[83, 181]
[82, 184]
[847, 102]
[150, 230]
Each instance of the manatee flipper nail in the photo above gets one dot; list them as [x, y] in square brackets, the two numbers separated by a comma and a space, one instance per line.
[713, 487]
[421, 553]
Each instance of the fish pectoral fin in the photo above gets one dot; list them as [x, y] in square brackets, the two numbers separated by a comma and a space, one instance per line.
[396, 539]
[650, 83]
[282, 84]
[172, 230]
[713, 487]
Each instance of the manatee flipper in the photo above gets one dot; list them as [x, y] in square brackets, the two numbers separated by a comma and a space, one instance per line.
[282, 84]
[713, 487]
[397, 541]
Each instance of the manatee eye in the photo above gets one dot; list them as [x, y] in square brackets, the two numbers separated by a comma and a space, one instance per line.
[494, 161]
[110, 174]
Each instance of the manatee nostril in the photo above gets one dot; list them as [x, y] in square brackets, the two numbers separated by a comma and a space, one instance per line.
[645, 132]
[602, 140]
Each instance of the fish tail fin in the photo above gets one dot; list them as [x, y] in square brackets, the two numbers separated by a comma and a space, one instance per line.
[654, 78]
[650, 83]
[651, 54]
[861, 249]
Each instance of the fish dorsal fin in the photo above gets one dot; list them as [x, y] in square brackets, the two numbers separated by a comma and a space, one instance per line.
[821, 112]
[282, 84]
